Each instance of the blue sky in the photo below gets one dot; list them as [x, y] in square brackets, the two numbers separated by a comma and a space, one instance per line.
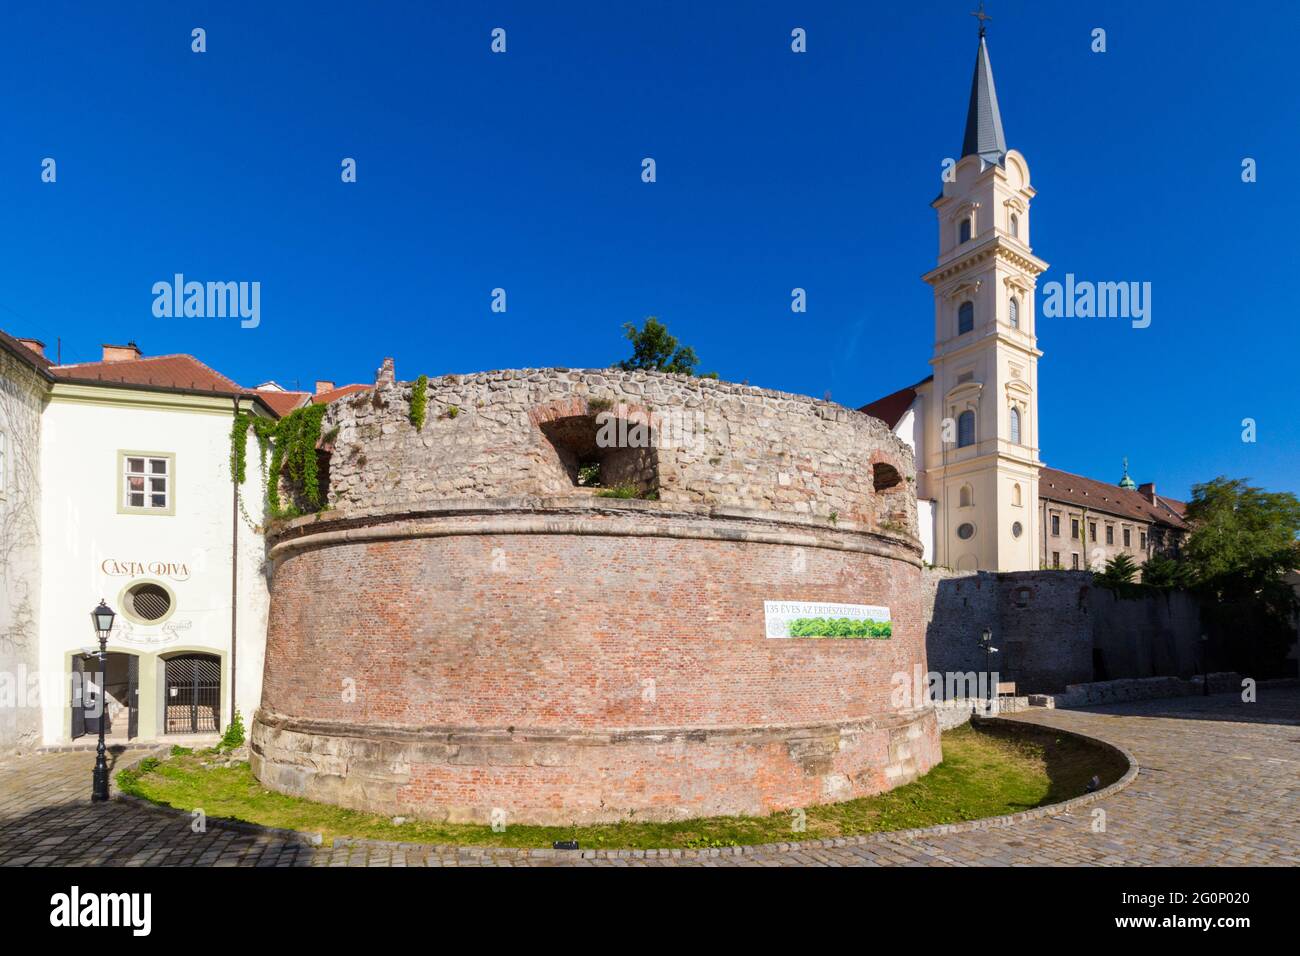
[775, 170]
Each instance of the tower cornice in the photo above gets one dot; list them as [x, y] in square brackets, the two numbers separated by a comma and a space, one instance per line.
[996, 246]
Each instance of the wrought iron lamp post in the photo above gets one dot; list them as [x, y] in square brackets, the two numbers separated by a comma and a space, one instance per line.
[986, 639]
[102, 617]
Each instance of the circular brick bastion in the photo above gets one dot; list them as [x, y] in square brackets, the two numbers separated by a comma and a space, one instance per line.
[474, 631]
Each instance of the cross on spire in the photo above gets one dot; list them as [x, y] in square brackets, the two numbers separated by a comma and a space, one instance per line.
[981, 16]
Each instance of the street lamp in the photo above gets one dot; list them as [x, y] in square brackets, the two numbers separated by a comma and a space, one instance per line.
[102, 618]
[986, 640]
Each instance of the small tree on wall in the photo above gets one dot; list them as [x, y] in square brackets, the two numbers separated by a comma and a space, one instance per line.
[656, 350]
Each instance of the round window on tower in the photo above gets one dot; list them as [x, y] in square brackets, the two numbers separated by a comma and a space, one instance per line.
[1016, 529]
[966, 531]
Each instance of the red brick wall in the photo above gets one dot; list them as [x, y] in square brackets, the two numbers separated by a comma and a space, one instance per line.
[519, 634]
[566, 635]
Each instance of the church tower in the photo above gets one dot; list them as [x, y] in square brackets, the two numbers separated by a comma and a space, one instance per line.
[979, 464]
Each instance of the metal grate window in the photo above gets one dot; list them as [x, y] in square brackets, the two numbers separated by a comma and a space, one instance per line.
[149, 602]
[193, 694]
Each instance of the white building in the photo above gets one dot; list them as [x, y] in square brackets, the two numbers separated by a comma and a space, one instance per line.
[124, 479]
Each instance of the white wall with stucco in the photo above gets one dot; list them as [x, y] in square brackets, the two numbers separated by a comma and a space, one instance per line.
[91, 551]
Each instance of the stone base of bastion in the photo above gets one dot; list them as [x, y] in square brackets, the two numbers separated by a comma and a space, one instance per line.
[560, 778]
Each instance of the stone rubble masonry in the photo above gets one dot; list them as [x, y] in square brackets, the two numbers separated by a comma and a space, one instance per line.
[740, 446]
[22, 393]
[1056, 628]
[465, 630]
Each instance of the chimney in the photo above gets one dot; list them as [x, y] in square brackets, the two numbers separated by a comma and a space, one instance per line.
[385, 374]
[323, 386]
[1148, 491]
[36, 345]
[121, 353]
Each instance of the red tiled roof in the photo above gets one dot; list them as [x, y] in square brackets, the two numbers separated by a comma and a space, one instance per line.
[24, 354]
[892, 407]
[1099, 496]
[282, 403]
[166, 371]
[324, 398]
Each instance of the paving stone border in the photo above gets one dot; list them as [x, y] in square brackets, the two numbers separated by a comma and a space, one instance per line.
[517, 853]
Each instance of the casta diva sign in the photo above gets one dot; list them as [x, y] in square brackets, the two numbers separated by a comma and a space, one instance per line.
[821, 619]
[175, 570]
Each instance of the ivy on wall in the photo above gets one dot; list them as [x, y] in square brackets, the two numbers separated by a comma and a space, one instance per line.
[292, 442]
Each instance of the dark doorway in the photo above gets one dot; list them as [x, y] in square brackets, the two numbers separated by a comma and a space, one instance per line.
[107, 691]
[192, 691]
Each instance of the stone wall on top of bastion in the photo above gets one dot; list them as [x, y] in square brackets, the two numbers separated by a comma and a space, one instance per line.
[467, 629]
[503, 434]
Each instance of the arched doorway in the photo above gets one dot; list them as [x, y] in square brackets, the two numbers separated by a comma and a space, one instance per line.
[192, 694]
[106, 689]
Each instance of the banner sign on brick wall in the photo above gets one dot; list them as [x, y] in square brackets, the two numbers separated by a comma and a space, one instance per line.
[819, 619]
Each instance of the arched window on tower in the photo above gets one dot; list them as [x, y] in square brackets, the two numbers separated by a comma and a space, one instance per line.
[1015, 226]
[964, 230]
[965, 317]
[1015, 494]
[1015, 312]
[965, 429]
[965, 497]
[1015, 425]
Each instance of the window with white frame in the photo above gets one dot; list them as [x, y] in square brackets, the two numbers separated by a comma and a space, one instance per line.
[147, 482]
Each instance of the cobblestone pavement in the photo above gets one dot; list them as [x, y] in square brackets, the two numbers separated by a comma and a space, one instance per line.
[1219, 784]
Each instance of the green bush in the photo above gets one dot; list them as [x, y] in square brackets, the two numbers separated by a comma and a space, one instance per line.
[618, 491]
[234, 735]
[840, 627]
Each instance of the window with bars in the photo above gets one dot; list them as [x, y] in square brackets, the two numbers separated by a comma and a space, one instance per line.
[1015, 312]
[147, 483]
[147, 602]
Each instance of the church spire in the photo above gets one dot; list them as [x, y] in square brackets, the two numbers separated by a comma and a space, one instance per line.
[983, 120]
